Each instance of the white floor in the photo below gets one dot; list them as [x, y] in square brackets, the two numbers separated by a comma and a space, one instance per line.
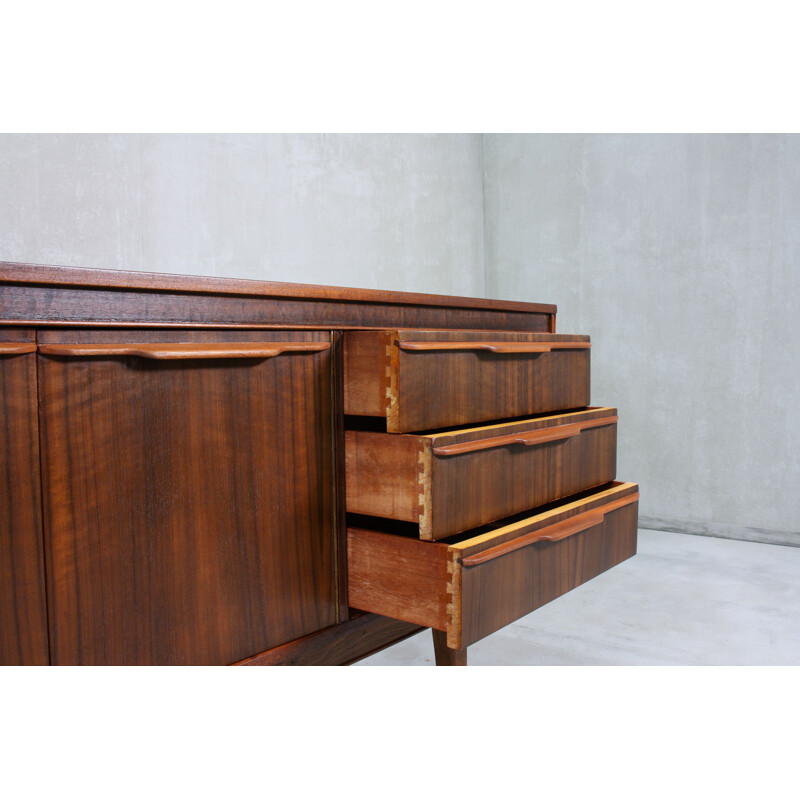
[681, 600]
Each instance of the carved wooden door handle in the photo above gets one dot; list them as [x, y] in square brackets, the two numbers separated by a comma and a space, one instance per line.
[16, 348]
[168, 351]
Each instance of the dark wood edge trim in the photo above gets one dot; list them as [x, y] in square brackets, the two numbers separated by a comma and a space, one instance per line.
[363, 635]
[49, 275]
[222, 326]
[338, 459]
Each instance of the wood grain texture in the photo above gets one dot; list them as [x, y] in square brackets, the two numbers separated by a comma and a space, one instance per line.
[382, 474]
[528, 438]
[16, 348]
[446, 656]
[366, 366]
[475, 488]
[552, 533]
[189, 506]
[194, 510]
[23, 613]
[398, 577]
[338, 460]
[361, 636]
[440, 388]
[47, 275]
[36, 304]
[490, 536]
[163, 351]
[401, 477]
[504, 589]
[428, 583]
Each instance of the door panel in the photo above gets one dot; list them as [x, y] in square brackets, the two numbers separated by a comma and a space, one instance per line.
[189, 502]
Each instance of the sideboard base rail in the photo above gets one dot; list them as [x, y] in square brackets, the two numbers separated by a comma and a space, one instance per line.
[359, 637]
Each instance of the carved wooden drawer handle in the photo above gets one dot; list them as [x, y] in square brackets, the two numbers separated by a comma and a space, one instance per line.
[167, 351]
[528, 439]
[552, 533]
[497, 347]
[16, 348]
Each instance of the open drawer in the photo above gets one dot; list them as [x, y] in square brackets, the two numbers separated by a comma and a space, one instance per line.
[453, 481]
[421, 380]
[477, 583]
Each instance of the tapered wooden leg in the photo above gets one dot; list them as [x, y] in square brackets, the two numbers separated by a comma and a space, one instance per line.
[446, 656]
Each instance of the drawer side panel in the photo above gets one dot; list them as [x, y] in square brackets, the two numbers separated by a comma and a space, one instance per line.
[382, 475]
[397, 577]
[365, 365]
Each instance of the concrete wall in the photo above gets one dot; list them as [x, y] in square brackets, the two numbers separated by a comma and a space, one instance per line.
[680, 255]
[376, 211]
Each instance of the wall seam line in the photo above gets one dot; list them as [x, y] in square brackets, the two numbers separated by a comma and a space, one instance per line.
[483, 215]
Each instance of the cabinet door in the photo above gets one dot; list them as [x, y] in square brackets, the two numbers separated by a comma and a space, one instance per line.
[188, 493]
[23, 620]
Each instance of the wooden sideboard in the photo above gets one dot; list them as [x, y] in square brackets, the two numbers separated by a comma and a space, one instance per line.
[214, 471]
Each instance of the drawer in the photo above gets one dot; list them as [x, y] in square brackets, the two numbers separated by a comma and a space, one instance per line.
[421, 380]
[453, 481]
[476, 583]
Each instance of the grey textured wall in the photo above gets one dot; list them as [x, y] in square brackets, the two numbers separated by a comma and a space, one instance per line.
[680, 255]
[375, 211]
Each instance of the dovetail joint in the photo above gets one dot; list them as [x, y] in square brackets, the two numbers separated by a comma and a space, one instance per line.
[424, 465]
[453, 599]
[391, 389]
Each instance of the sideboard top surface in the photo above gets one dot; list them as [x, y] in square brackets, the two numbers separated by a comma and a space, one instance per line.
[35, 295]
[46, 275]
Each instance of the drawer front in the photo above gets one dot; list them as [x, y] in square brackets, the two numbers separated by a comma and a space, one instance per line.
[496, 592]
[455, 481]
[423, 380]
[478, 583]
